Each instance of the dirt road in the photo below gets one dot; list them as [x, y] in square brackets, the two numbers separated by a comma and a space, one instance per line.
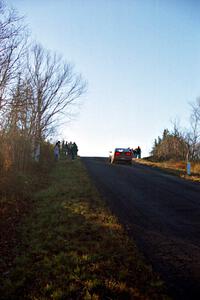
[162, 214]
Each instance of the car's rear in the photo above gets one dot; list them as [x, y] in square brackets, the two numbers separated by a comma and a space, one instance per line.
[122, 155]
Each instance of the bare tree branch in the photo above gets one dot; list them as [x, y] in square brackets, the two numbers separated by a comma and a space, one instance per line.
[54, 86]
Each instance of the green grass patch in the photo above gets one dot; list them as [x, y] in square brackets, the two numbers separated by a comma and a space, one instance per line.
[72, 247]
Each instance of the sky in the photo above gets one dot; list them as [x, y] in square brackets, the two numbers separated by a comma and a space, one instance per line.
[141, 59]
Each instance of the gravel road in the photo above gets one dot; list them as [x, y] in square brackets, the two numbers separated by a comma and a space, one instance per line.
[161, 213]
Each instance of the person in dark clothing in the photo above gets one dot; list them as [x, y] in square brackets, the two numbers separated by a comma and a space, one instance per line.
[138, 152]
[74, 150]
[69, 150]
[134, 151]
[57, 151]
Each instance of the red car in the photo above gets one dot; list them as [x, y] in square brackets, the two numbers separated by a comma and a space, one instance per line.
[121, 155]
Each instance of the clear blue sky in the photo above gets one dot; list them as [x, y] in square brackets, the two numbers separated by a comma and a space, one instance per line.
[141, 60]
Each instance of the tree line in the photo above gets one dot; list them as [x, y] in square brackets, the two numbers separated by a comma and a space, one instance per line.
[179, 144]
[37, 90]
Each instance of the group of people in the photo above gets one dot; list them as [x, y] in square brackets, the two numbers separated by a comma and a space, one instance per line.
[69, 150]
[136, 152]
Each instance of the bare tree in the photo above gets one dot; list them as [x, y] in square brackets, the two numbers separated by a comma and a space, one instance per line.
[12, 44]
[193, 134]
[179, 144]
[53, 87]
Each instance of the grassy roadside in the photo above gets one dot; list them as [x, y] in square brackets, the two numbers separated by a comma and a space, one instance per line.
[72, 247]
[174, 168]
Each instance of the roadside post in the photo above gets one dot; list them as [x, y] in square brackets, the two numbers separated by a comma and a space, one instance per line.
[188, 165]
[188, 168]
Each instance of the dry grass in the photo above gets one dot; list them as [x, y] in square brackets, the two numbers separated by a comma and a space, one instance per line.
[72, 247]
[178, 168]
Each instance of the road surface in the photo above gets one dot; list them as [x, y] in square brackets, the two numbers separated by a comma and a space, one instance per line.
[161, 213]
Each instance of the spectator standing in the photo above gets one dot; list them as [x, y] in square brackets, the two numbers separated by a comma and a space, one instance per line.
[75, 149]
[139, 152]
[70, 149]
[134, 151]
[57, 151]
[63, 148]
[66, 148]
